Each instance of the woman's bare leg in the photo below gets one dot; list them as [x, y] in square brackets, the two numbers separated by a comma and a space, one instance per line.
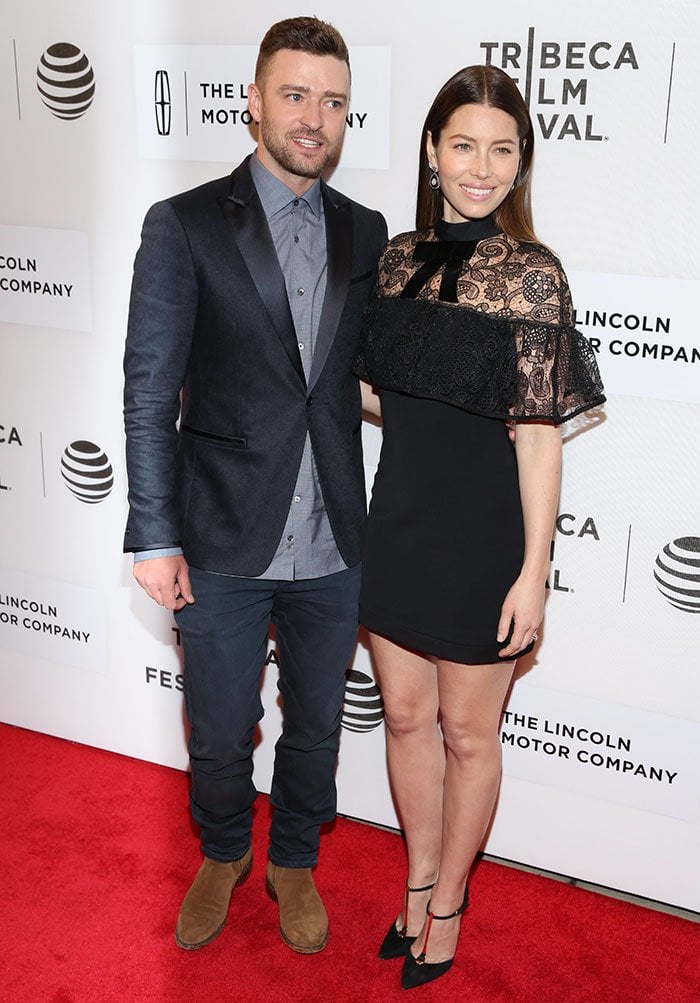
[416, 760]
[471, 700]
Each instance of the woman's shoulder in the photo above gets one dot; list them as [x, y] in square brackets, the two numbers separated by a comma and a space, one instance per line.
[409, 236]
[516, 280]
[406, 240]
[535, 254]
[396, 260]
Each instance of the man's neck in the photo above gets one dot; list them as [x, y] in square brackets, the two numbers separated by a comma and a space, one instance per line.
[295, 182]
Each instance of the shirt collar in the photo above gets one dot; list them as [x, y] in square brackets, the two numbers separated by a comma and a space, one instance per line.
[275, 196]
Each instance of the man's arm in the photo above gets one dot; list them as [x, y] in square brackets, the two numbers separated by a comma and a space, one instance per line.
[161, 324]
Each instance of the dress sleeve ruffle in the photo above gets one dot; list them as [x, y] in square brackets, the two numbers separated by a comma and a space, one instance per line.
[494, 366]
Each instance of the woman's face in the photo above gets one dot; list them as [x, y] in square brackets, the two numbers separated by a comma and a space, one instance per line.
[477, 157]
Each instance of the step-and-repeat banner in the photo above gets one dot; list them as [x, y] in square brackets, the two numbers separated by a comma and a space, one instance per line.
[103, 111]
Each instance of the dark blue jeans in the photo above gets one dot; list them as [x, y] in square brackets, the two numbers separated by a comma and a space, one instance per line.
[224, 637]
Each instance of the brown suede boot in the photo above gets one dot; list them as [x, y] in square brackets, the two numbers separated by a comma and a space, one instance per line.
[203, 911]
[303, 920]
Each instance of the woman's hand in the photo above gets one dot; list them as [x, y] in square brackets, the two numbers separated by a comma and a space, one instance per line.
[523, 607]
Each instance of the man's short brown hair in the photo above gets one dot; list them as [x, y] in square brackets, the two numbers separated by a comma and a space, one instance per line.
[301, 34]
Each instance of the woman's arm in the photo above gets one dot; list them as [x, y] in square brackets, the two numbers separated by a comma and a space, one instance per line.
[538, 449]
[370, 400]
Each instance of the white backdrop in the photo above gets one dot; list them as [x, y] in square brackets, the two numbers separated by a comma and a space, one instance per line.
[602, 779]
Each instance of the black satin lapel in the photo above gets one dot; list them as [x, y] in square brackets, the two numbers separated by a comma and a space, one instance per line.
[252, 235]
[339, 238]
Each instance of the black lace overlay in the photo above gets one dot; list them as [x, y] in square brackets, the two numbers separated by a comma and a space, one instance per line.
[487, 327]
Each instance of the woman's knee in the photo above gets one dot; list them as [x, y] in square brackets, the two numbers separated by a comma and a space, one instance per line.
[467, 741]
[409, 717]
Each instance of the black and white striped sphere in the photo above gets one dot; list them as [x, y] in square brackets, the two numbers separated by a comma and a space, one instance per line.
[87, 472]
[65, 80]
[677, 573]
[363, 709]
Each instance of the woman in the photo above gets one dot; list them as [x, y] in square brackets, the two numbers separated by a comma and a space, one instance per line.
[470, 328]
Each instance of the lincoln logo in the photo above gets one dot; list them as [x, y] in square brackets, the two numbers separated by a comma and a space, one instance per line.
[162, 102]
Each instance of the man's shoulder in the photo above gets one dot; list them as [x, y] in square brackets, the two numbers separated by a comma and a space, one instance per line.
[192, 208]
[203, 194]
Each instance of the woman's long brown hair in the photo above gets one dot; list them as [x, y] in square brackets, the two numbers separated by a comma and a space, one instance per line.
[483, 85]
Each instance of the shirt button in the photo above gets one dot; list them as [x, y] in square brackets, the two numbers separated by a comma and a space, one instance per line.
[300, 292]
[291, 538]
[296, 240]
[301, 346]
[295, 202]
[297, 498]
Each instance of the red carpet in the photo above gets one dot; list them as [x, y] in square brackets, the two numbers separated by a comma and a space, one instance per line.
[97, 852]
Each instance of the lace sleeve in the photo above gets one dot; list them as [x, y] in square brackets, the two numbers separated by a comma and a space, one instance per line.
[558, 375]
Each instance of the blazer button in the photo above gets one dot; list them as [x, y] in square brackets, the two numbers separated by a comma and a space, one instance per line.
[308, 401]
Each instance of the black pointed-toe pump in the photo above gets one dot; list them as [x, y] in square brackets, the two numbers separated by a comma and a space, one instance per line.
[416, 970]
[396, 944]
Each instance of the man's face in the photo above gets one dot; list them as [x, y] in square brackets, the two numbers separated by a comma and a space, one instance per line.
[300, 106]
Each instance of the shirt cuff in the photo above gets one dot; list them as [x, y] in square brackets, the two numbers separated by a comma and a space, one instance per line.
[147, 555]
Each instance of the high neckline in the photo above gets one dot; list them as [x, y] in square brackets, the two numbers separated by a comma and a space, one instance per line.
[473, 229]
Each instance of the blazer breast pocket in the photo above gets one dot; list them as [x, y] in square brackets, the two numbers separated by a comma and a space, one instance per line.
[198, 434]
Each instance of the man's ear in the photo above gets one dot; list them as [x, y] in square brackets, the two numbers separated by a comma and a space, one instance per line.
[254, 101]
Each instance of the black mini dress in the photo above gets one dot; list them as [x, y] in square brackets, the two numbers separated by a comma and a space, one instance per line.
[467, 329]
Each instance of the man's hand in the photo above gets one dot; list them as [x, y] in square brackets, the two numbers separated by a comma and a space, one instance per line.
[166, 580]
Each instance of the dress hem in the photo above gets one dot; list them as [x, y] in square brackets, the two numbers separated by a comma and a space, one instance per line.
[453, 651]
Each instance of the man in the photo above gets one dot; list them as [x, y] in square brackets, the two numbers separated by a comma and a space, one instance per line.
[247, 296]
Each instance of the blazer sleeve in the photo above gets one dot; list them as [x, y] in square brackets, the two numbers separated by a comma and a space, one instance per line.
[161, 323]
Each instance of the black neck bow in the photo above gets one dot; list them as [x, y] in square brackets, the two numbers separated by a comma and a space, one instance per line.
[450, 253]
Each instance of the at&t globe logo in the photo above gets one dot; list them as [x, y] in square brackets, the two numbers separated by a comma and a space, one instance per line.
[65, 80]
[87, 472]
[677, 573]
[363, 709]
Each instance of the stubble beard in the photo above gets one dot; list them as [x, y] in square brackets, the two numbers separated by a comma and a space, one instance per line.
[296, 163]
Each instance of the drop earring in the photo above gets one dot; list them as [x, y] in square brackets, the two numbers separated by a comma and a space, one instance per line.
[434, 180]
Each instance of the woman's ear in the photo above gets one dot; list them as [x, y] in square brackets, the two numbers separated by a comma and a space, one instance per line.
[430, 151]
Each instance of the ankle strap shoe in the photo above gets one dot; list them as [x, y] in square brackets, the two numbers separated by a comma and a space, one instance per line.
[417, 971]
[396, 944]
